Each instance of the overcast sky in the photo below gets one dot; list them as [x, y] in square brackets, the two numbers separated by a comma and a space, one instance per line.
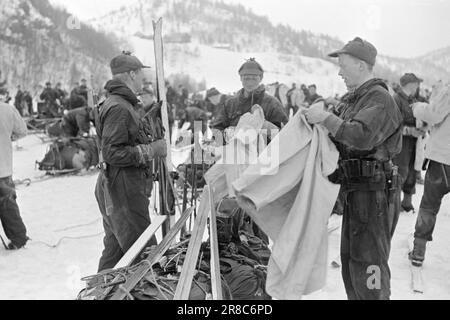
[403, 28]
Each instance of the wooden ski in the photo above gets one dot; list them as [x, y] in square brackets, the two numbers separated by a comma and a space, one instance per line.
[161, 94]
[144, 268]
[161, 86]
[140, 244]
[216, 279]
[190, 263]
[417, 282]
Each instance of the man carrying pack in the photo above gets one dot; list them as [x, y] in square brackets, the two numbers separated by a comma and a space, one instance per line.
[123, 190]
[368, 134]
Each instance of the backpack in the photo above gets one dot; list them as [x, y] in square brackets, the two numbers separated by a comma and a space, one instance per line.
[70, 154]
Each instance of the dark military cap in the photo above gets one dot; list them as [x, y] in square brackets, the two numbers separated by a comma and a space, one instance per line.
[360, 49]
[212, 92]
[126, 63]
[409, 78]
[251, 67]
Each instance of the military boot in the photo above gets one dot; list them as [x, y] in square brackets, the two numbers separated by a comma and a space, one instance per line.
[407, 205]
[417, 256]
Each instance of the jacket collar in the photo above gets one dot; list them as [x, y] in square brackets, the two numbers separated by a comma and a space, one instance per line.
[403, 95]
[254, 98]
[118, 88]
[353, 96]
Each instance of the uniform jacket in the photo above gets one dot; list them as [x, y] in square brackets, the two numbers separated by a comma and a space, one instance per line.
[369, 123]
[239, 105]
[49, 95]
[118, 127]
[404, 103]
[77, 121]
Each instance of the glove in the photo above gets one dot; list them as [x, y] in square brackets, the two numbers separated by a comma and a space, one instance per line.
[413, 132]
[316, 113]
[148, 152]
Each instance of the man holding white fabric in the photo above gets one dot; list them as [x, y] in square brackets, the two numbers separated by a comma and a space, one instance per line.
[368, 134]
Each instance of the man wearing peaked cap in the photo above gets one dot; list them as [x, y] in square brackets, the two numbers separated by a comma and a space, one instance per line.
[126, 161]
[253, 93]
[126, 62]
[408, 78]
[360, 49]
[367, 131]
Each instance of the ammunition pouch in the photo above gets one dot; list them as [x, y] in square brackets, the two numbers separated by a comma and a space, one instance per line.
[368, 175]
[363, 168]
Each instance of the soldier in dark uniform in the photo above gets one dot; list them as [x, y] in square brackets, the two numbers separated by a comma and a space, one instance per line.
[253, 93]
[312, 96]
[405, 97]
[83, 90]
[215, 102]
[126, 156]
[49, 96]
[368, 134]
[18, 100]
[77, 122]
[28, 102]
[60, 93]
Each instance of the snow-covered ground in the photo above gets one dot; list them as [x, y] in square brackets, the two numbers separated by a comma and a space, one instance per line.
[63, 212]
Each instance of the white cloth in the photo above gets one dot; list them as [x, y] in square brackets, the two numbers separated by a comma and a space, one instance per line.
[12, 127]
[292, 203]
[241, 151]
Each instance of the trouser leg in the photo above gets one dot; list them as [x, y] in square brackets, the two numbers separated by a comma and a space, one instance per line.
[405, 162]
[436, 187]
[128, 218]
[409, 186]
[10, 217]
[366, 244]
[112, 253]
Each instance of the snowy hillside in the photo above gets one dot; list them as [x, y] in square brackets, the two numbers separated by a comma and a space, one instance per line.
[63, 212]
[439, 58]
[219, 68]
[38, 45]
[200, 24]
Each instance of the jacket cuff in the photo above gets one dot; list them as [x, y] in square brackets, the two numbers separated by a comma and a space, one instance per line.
[139, 156]
[333, 123]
